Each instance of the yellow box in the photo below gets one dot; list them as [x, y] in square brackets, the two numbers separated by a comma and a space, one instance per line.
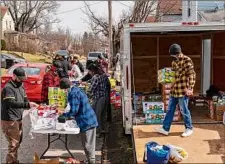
[57, 94]
[58, 103]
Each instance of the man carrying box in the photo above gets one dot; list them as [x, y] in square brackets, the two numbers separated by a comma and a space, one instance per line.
[181, 89]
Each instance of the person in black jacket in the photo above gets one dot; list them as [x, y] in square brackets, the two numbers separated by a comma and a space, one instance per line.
[88, 77]
[66, 66]
[14, 101]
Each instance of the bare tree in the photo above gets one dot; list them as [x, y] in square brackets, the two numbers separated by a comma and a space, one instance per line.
[140, 12]
[29, 15]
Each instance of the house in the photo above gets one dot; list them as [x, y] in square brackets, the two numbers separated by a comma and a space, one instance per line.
[7, 23]
[171, 11]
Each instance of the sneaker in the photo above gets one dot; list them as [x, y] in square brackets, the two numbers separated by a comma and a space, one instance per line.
[187, 133]
[162, 131]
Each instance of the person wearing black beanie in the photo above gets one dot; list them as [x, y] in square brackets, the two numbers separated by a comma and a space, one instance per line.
[182, 88]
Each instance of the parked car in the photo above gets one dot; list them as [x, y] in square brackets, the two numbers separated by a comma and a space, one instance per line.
[6, 61]
[33, 85]
[93, 56]
[16, 59]
[63, 53]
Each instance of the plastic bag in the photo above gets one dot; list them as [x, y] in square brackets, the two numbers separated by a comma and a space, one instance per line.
[41, 123]
[155, 153]
[177, 154]
[33, 113]
[71, 125]
[67, 109]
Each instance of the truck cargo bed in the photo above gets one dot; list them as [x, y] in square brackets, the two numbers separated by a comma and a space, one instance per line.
[206, 145]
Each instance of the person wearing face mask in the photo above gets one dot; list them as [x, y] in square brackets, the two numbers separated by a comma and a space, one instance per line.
[13, 102]
[50, 79]
[180, 91]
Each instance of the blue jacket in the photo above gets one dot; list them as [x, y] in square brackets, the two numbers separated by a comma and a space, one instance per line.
[81, 109]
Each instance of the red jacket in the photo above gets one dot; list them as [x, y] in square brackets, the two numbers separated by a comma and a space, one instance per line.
[49, 80]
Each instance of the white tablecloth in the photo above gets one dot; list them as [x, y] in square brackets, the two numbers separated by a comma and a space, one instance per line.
[76, 131]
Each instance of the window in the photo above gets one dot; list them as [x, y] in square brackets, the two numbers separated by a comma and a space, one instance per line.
[6, 24]
[93, 54]
[30, 71]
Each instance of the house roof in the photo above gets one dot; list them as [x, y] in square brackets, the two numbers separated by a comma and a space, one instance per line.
[150, 19]
[3, 10]
[170, 6]
[211, 16]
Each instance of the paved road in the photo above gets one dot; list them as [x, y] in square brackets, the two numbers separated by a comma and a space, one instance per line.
[38, 144]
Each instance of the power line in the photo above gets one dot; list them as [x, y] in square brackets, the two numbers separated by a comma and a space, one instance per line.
[123, 4]
[78, 8]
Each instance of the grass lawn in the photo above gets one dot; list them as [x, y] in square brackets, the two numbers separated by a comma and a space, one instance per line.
[3, 71]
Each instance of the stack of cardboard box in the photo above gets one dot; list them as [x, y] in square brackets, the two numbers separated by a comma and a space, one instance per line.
[166, 95]
[58, 97]
[154, 112]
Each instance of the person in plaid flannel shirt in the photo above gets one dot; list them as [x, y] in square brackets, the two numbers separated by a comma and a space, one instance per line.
[182, 88]
[83, 113]
[100, 89]
[50, 79]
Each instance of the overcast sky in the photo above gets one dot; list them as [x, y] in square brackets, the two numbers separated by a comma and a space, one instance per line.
[71, 16]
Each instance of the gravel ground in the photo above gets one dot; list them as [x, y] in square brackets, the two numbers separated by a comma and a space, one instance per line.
[119, 145]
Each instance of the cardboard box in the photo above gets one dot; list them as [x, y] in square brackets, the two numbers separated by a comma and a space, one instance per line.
[220, 109]
[112, 82]
[166, 75]
[177, 118]
[113, 97]
[166, 97]
[59, 103]
[166, 87]
[37, 160]
[212, 111]
[118, 101]
[166, 92]
[153, 107]
[57, 93]
[154, 118]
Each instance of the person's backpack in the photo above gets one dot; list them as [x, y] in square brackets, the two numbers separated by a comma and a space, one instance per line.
[156, 154]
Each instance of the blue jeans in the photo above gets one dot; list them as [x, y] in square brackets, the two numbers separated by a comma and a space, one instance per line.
[183, 103]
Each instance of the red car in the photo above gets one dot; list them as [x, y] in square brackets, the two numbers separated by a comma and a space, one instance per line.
[33, 85]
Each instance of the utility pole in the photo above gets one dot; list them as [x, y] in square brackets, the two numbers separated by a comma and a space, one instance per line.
[110, 32]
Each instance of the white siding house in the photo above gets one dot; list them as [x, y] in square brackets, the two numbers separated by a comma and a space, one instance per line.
[7, 23]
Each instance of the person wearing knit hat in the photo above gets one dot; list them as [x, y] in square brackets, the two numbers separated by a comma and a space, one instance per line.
[182, 88]
[83, 113]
